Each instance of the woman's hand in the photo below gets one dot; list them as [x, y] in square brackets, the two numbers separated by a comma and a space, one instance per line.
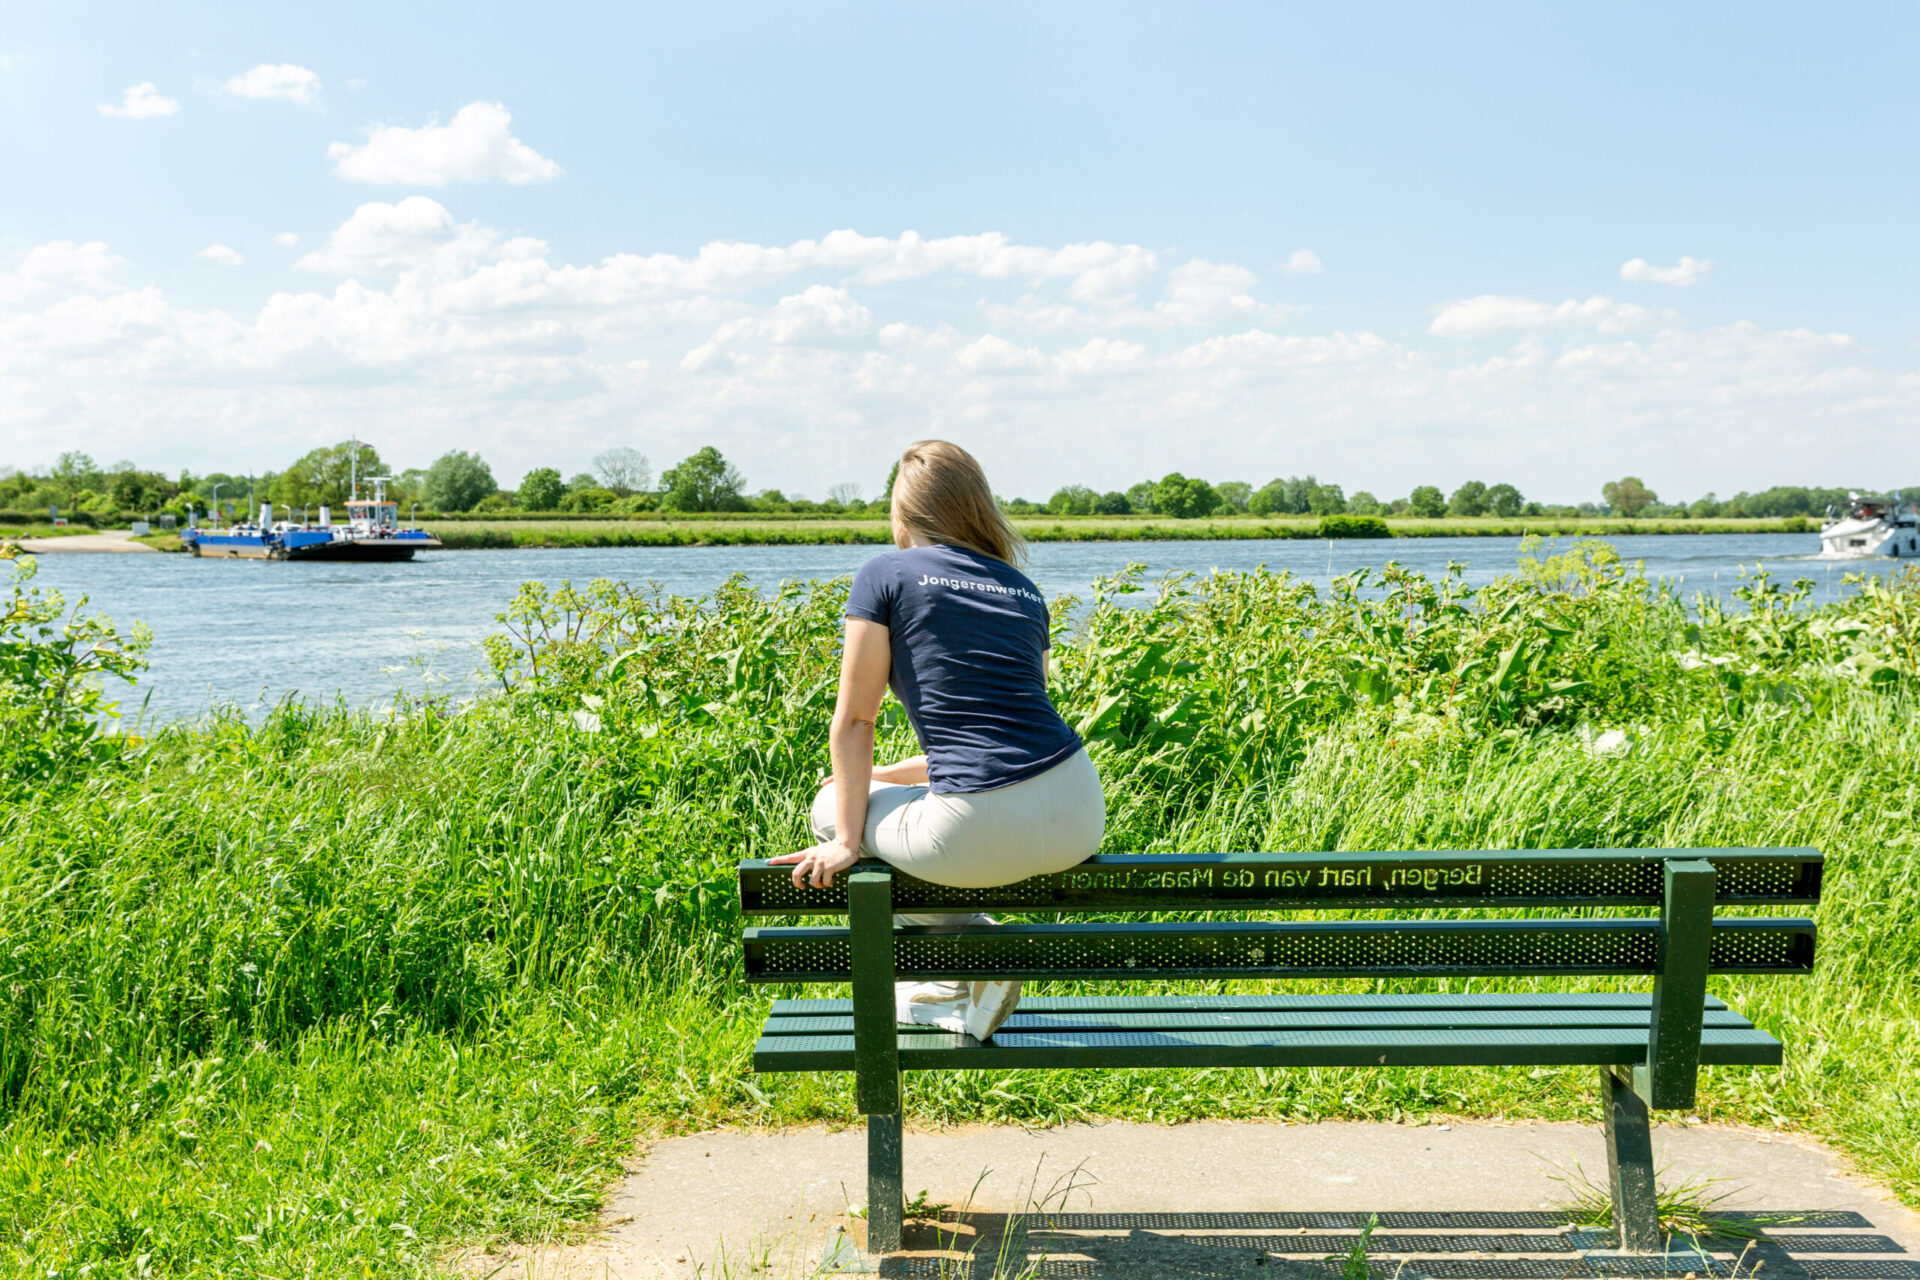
[818, 864]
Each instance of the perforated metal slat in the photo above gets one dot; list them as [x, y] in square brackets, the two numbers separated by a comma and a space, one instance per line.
[1282, 881]
[1417, 948]
[1505, 1047]
[816, 1007]
[1324, 1020]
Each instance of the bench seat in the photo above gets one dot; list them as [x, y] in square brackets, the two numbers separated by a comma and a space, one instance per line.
[1547, 1029]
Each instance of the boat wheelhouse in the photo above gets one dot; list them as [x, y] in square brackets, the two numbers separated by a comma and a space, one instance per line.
[1873, 526]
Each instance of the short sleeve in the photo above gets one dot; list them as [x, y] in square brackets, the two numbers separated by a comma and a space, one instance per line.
[876, 588]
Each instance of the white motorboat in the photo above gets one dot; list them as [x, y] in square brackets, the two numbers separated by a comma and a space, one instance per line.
[1872, 527]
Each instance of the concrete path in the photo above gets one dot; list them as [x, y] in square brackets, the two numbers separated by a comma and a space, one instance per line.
[109, 540]
[1467, 1202]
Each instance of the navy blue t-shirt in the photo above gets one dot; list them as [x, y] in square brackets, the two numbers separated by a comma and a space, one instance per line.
[969, 637]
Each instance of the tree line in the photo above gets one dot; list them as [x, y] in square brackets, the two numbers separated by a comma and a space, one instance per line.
[621, 480]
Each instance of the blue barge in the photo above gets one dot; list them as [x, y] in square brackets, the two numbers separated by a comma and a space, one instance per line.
[372, 532]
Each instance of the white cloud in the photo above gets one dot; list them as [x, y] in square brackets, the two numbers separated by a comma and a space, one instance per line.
[432, 332]
[287, 239]
[416, 232]
[477, 146]
[1684, 272]
[221, 255]
[140, 102]
[1491, 313]
[282, 80]
[1304, 262]
[61, 264]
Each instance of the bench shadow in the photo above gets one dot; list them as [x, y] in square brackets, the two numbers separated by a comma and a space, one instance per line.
[1784, 1244]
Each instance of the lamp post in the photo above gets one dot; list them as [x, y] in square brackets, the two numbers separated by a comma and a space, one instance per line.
[216, 503]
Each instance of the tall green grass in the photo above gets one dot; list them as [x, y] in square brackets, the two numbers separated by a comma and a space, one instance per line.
[319, 995]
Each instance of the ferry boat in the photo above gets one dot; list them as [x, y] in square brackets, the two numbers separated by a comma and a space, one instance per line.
[1873, 526]
[372, 532]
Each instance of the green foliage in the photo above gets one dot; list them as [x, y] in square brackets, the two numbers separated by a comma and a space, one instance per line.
[52, 663]
[1355, 1264]
[1504, 500]
[1183, 499]
[1628, 496]
[1234, 493]
[320, 476]
[456, 482]
[704, 481]
[541, 489]
[1427, 502]
[1074, 500]
[1113, 503]
[1352, 527]
[1470, 499]
[589, 499]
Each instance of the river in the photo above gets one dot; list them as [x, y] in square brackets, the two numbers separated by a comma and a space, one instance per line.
[248, 633]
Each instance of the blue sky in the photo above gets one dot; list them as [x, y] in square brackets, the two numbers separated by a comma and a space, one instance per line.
[1390, 245]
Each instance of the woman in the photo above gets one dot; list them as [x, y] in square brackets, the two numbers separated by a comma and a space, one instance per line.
[1005, 789]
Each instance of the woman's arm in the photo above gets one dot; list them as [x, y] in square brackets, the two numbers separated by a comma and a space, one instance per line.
[864, 666]
[909, 772]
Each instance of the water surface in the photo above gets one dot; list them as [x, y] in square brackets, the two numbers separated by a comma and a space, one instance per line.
[250, 632]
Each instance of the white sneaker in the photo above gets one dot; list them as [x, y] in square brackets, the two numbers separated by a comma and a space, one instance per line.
[988, 1005]
[931, 1004]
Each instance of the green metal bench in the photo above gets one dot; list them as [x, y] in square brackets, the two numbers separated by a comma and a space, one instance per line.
[1649, 1047]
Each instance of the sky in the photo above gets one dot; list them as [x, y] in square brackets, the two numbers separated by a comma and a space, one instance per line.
[1387, 245]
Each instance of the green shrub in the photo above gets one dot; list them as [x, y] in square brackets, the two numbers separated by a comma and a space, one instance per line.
[1353, 527]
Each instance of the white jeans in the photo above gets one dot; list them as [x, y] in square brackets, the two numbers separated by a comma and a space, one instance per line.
[1045, 824]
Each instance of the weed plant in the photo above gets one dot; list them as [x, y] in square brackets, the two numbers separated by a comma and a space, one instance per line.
[331, 993]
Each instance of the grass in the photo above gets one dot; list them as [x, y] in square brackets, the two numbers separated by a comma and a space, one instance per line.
[774, 531]
[338, 992]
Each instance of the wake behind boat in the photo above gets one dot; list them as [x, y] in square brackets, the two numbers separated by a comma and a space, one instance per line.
[1873, 526]
[372, 532]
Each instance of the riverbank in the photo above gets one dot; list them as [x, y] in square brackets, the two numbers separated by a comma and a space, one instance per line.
[765, 531]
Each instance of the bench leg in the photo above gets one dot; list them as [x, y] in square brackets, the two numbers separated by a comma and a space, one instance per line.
[1636, 1213]
[886, 1194]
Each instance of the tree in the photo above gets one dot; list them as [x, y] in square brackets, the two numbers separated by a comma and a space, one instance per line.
[74, 470]
[623, 470]
[892, 475]
[1470, 499]
[1505, 500]
[1183, 499]
[1235, 493]
[1363, 503]
[1113, 504]
[1270, 500]
[1426, 501]
[1140, 498]
[845, 494]
[541, 489]
[588, 498]
[1073, 500]
[320, 476]
[1326, 500]
[1628, 495]
[703, 482]
[457, 481]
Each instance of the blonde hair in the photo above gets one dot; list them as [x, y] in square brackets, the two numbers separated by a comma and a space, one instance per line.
[942, 494]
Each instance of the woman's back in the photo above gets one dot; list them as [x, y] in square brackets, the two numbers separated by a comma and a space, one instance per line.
[969, 636]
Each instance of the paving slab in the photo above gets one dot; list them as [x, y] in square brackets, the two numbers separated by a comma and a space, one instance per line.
[1453, 1202]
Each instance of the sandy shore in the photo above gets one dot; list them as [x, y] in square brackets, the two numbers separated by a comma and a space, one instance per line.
[113, 541]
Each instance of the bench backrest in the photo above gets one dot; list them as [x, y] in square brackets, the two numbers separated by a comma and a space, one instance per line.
[1679, 946]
